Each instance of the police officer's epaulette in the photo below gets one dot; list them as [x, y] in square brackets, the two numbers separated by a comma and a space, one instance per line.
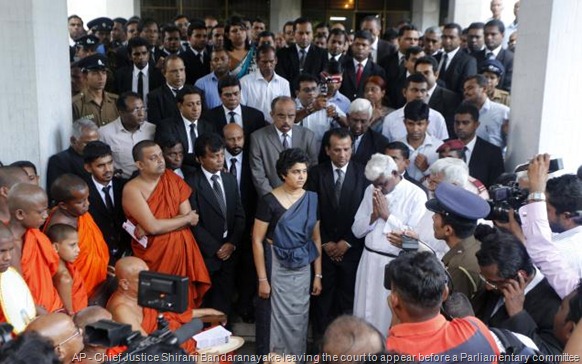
[78, 96]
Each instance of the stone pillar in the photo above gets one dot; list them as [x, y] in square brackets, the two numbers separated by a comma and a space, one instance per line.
[35, 100]
[283, 11]
[89, 10]
[546, 83]
[464, 12]
[425, 13]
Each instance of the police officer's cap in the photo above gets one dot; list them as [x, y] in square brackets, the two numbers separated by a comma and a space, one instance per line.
[87, 41]
[101, 24]
[93, 62]
[121, 21]
[455, 200]
[492, 65]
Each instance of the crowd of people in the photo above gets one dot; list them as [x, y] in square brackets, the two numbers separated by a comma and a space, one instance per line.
[316, 177]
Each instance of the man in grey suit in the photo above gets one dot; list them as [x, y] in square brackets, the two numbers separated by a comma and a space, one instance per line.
[268, 142]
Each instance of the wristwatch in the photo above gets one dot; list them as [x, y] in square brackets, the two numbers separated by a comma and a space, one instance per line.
[536, 197]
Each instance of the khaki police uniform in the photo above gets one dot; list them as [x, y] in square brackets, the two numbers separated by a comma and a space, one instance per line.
[84, 106]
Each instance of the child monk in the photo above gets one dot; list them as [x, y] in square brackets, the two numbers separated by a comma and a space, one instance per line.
[71, 196]
[68, 281]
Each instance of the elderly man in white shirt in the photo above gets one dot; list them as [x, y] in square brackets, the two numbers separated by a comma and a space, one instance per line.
[390, 203]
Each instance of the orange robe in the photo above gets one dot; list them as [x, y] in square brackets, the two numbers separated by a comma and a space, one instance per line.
[150, 324]
[79, 293]
[39, 264]
[175, 252]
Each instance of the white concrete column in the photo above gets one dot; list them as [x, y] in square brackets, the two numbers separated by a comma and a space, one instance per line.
[89, 10]
[546, 92]
[283, 11]
[35, 100]
[425, 13]
[464, 12]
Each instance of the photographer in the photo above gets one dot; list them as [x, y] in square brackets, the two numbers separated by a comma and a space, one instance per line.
[552, 208]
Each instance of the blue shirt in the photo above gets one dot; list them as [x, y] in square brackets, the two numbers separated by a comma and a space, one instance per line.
[209, 84]
[341, 101]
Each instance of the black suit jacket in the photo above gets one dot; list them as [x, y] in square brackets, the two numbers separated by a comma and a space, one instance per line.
[461, 66]
[506, 58]
[336, 220]
[385, 49]
[118, 240]
[536, 321]
[210, 227]
[372, 142]
[194, 68]
[248, 194]
[486, 162]
[288, 63]
[252, 118]
[446, 102]
[124, 78]
[67, 161]
[174, 126]
[349, 86]
[161, 105]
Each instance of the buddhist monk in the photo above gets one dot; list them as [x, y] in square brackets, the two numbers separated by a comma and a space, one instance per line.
[34, 256]
[60, 328]
[71, 195]
[68, 281]
[124, 307]
[6, 251]
[91, 353]
[9, 176]
[157, 202]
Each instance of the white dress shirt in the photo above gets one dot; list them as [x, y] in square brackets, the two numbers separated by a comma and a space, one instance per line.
[208, 176]
[393, 127]
[428, 149]
[257, 92]
[374, 52]
[187, 127]
[469, 151]
[237, 115]
[450, 56]
[318, 122]
[492, 115]
[289, 136]
[228, 161]
[146, 80]
[100, 187]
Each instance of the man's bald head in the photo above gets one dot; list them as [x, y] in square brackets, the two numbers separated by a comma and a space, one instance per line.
[23, 196]
[63, 187]
[129, 267]
[9, 176]
[61, 329]
[350, 335]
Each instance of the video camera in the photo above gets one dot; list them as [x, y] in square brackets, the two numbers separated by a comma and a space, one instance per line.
[162, 292]
[509, 195]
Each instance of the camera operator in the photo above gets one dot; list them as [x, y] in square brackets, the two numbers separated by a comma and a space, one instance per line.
[551, 208]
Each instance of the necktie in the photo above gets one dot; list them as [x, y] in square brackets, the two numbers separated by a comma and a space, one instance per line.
[285, 141]
[401, 61]
[201, 55]
[232, 169]
[232, 113]
[192, 136]
[302, 59]
[490, 55]
[443, 66]
[219, 197]
[108, 200]
[140, 83]
[359, 72]
[338, 184]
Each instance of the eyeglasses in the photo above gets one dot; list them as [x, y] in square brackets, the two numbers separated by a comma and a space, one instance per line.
[495, 284]
[137, 110]
[78, 332]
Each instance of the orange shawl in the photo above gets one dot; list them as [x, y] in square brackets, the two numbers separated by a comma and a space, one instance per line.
[150, 324]
[175, 252]
[94, 253]
[39, 264]
[80, 299]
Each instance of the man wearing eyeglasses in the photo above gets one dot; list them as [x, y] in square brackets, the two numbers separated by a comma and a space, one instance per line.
[126, 131]
[60, 328]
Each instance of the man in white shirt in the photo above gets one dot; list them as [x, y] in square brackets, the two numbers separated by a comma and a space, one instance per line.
[415, 88]
[126, 131]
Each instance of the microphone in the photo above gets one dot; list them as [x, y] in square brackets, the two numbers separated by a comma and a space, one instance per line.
[187, 330]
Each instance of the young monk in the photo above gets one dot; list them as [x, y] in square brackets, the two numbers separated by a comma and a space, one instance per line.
[71, 195]
[67, 281]
[34, 255]
[9, 176]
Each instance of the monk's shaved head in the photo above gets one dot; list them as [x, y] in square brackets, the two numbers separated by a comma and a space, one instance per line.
[351, 335]
[90, 315]
[63, 187]
[9, 176]
[24, 195]
[5, 233]
[129, 267]
[137, 151]
[6, 247]
[61, 329]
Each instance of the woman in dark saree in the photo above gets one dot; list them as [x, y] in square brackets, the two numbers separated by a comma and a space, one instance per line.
[286, 241]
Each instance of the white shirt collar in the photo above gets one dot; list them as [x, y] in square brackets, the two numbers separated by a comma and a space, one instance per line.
[452, 53]
[471, 145]
[280, 133]
[299, 49]
[237, 110]
[343, 169]
[374, 44]
[144, 70]
[99, 186]
[188, 122]
[364, 62]
[228, 157]
[430, 91]
[209, 175]
[495, 51]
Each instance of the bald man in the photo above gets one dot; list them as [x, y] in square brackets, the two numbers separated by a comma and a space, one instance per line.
[34, 255]
[71, 194]
[60, 328]
[87, 316]
[9, 176]
[352, 337]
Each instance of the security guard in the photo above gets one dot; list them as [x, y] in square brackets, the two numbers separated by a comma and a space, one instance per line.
[94, 103]
[101, 27]
[456, 213]
[86, 46]
[493, 70]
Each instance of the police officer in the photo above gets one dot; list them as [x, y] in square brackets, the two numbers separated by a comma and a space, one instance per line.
[101, 28]
[86, 46]
[94, 103]
[493, 70]
[456, 212]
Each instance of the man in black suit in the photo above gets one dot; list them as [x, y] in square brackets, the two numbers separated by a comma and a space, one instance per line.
[395, 94]
[105, 199]
[336, 44]
[340, 184]
[197, 55]
[494, 30]
[70, 160]
[359, 66]
[439, 98]
[231, 110]
[236, 162]
[187, 125]
[173, 152]
[162, 101]
[140, 77]
[484, 159]
[380, 48]
[222, 220]
[454, 65]
[366, 140]
[301, 57]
